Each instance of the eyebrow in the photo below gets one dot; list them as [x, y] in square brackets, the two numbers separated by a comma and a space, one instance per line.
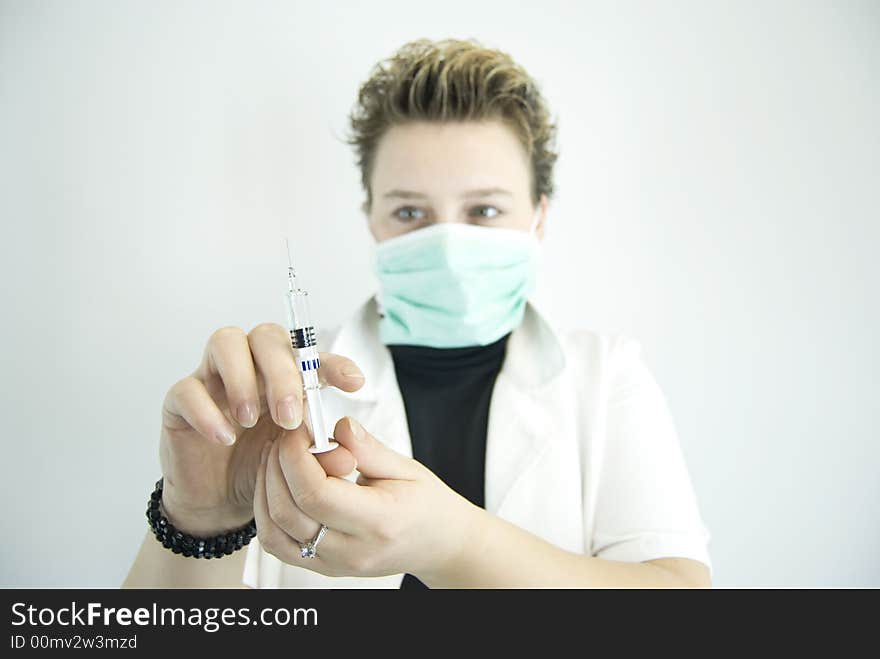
[481, 192]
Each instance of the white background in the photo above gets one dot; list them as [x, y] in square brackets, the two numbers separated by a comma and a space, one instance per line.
[717, 199]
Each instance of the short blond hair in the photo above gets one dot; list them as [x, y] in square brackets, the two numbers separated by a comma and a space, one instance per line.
[453, 80]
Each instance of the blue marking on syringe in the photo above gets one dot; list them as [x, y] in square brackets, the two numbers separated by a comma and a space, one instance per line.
[310, 364]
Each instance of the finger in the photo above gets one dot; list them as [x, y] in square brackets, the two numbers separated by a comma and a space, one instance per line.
[271, 537]
[374, 459]
[338, 503]
[340, 372]
[282, 508]
[188, 403]
[338, 462]
[275, 541]
[273, 356]
[228, 357]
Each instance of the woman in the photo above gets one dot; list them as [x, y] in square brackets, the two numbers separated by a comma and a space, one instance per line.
[479, 446]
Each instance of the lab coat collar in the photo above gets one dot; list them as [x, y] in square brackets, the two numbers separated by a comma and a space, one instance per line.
[524, 413]
[534, 350]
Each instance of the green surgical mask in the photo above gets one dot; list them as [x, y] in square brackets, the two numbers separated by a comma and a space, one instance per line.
[452, 285]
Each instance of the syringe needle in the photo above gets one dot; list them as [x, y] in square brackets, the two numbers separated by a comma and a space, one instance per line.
[289, 260]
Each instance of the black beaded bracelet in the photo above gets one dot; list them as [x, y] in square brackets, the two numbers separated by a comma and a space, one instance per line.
[183, 543]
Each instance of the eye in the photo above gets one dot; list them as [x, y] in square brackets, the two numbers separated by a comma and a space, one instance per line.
[493, 212]
[408, 213]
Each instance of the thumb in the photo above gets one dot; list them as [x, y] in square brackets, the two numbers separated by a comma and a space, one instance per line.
[374, 459]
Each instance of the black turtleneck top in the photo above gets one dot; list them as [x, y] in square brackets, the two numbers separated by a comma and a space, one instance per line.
[446, 393]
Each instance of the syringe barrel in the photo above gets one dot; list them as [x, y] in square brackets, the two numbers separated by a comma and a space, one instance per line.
[302, 336]
[298, 313]
[320, 431]
[305, 347]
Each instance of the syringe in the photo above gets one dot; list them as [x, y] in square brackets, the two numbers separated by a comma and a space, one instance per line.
[305, 350]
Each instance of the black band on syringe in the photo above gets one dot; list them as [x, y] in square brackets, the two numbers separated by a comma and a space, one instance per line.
[303, 337]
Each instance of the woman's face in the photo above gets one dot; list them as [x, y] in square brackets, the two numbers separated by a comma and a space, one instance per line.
[468, 172]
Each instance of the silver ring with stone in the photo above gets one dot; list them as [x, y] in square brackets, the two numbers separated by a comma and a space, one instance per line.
[310, 549]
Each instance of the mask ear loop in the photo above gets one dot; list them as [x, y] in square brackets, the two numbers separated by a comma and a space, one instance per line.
[533, 229]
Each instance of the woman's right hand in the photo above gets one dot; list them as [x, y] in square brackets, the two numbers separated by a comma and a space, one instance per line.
[246, 392]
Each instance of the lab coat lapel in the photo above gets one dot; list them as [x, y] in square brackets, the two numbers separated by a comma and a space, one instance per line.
[378, 405]
[386, 420]
[524, 411]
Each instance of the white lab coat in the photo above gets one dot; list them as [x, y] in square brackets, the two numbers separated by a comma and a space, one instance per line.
[581, 449]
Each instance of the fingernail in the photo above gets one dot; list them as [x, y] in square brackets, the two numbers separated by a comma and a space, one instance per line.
[247, 414]
[352, 371]
[225, 436]
[356, 428]
[287, 413]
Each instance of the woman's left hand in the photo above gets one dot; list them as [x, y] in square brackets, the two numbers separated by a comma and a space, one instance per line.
[398, 517]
